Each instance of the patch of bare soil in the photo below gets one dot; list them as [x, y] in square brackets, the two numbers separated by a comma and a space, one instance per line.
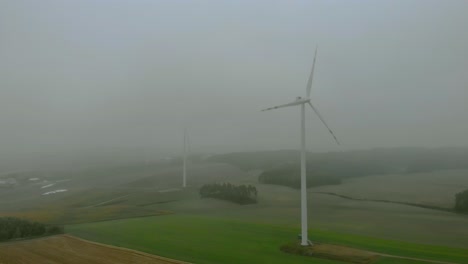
[65, 249]
[332, 252]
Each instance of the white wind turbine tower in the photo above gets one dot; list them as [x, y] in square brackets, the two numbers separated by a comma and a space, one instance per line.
[302, 103]
[186, 150]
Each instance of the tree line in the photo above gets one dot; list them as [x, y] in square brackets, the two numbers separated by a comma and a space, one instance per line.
[461, 202]
[242, 194]
[290, 176]
[355, 163]
[14, 228]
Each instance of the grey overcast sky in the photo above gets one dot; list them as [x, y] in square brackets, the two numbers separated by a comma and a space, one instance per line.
[98, 75]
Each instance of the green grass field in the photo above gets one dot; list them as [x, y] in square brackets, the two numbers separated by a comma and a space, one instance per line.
[202, 239]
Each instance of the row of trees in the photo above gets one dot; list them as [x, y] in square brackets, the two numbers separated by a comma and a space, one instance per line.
[355, 163]
[14, 228]
[290, 176]
[461, 202]
[242, 194]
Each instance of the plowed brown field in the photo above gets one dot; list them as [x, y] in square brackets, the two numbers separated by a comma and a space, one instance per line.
[65, 249]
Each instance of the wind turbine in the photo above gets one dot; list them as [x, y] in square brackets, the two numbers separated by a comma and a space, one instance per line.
[184, 170]
[302, 103]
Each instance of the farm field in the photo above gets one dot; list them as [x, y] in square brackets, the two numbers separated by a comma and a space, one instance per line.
[260, 228]
[112, 193]
[65, 249]
[202, 239]
[280, 205]
[437, 188]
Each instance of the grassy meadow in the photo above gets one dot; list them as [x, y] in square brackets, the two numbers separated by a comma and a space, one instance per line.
[280, 205]
[202, 239]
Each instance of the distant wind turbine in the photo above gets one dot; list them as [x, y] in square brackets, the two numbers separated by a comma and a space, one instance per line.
[302, 102]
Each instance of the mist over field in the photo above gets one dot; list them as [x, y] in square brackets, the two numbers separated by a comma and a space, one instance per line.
[84, 78]
[119, 117]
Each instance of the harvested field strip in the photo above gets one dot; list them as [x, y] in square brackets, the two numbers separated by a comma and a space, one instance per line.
[65, 249]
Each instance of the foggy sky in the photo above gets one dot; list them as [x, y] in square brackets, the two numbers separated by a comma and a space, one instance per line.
[103, 75]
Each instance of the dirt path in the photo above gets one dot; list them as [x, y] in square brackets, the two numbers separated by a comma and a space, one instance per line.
[408, 258]
[343, 253]
[417, 259]
[108, 201]
[66, 249]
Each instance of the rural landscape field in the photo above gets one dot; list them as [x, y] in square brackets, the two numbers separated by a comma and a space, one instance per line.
[137, 212]
[233, 132]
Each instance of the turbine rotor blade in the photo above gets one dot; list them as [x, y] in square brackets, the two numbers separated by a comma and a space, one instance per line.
[325, 123]
[311, 76]
[284, 105]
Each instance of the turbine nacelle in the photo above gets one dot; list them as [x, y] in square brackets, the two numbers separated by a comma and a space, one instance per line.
[301, 100]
